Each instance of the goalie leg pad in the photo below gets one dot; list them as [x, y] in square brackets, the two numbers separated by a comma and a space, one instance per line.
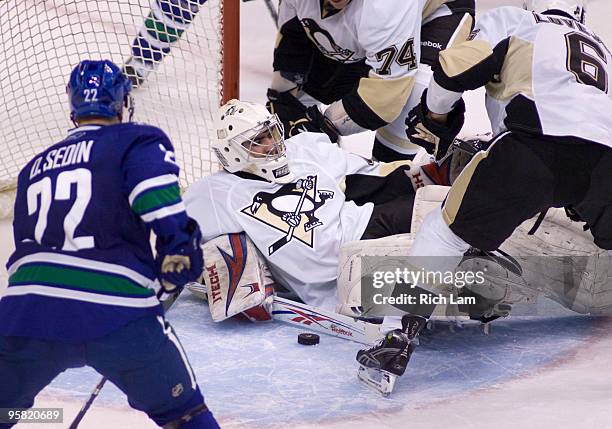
[561, 261]
[351, 271]
[237, 278]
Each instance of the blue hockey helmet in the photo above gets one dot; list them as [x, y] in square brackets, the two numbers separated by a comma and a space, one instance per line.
[99, 89]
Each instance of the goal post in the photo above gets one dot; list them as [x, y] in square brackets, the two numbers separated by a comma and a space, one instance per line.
[41, 42]
[230, 50]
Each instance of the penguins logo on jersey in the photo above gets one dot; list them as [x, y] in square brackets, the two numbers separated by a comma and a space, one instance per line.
[291, 210]
[325, 42]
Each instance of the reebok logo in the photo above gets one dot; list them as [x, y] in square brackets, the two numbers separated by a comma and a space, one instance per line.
[431, 44]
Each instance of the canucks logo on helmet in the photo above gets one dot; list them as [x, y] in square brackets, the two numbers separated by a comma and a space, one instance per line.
[98, 89]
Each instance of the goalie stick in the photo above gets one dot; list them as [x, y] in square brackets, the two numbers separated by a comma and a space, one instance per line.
[325, 321]
[167, 303]
[314, 318]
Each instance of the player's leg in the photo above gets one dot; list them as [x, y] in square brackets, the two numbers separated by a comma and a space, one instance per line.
[330, 80]
[390, 142]
[390, 218]
[163, 27]
[496, 192]
[28, 365]
[147, 362]
[443, 28]
[596, 207]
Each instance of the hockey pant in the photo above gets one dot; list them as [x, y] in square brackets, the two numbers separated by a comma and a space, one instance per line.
[143, 358]
[521, 175]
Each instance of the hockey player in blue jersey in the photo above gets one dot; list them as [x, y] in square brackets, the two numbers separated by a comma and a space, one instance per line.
[82, 280]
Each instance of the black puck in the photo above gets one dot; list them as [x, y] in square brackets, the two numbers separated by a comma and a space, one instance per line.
[308, 339]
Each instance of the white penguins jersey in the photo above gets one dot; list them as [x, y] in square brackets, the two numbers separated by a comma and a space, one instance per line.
[384, 33]
[544, 74]
[305, 257]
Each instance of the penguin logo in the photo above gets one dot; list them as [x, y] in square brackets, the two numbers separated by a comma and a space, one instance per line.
[290, 210]
[325, 42]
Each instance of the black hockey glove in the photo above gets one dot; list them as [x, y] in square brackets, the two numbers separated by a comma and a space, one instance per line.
[297, 118]
[435, 137]
[179, 259]
[322, 122]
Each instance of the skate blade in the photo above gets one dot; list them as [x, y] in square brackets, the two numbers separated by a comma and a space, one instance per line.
[381, 381]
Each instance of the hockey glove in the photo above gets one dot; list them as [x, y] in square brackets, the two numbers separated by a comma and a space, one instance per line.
[435, 137]
[180, 263]
[296, 117]
[322, 122]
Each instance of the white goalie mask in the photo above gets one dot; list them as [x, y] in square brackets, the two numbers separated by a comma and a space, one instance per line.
[574, 8]
[251, 139]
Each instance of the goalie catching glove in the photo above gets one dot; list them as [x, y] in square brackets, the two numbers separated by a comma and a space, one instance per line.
[434, 136]
[297, 118]
[179, 259]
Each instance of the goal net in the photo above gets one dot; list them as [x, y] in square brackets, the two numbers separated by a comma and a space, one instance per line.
[41, 41]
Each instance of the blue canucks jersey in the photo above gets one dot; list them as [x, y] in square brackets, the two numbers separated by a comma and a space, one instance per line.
[83, 264]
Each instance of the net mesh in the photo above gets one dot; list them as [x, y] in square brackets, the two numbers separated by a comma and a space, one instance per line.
[41, 41]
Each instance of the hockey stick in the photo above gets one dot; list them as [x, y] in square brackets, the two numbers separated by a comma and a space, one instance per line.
[324, 321]
[314, 318]
[287, 238]
[96, 392]
[471, 147]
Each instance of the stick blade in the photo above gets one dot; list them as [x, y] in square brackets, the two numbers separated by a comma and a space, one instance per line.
[277, 245]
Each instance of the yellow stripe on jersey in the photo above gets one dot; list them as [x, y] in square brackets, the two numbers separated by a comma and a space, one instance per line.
[279, 37]
[385, 97]
[387, 168]
[464, 56]
[516, 75]
[388, 137]
[462, 32]
[455, 196]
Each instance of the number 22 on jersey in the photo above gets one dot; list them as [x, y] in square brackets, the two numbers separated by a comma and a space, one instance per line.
[44, 189]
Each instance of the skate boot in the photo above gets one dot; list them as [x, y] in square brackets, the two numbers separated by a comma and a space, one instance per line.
[137, 70]
[381, 364]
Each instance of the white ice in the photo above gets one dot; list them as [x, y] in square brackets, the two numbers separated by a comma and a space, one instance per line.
[552, 371]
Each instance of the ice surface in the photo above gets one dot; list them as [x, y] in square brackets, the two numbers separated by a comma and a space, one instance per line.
[257, 375]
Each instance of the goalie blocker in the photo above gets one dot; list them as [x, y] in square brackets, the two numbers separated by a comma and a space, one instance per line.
[237, 279]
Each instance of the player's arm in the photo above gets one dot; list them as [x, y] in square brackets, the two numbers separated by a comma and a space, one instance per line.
[152, 186]
[292, 58]
[389, 32]
[473, 63]
[468, 65]
[292, 51]
[206, 202]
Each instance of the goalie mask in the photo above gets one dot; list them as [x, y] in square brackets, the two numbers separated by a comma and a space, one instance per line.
[250, 139]
[574, 8]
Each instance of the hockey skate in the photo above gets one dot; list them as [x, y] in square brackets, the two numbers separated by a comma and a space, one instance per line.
[380, 365]
[137, 70]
